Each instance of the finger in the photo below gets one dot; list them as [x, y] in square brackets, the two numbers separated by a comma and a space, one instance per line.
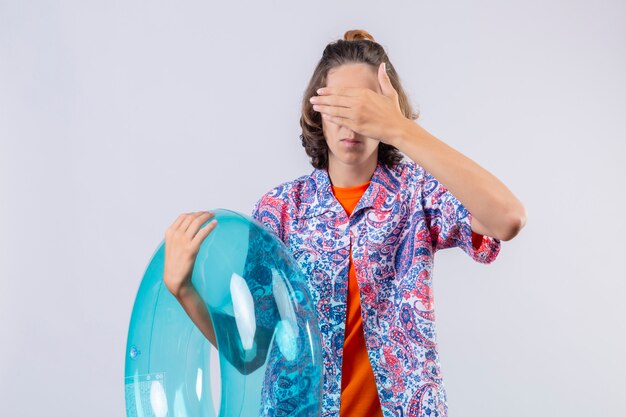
[336, 116]
[340, 91]
[189, 217]
[338, 101]
[330, 119]
[341, 121]
[331, 110]
[204, 232]
[178, 221]
[197, 221]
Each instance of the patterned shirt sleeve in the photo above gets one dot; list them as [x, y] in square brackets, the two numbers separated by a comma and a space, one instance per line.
[449, 223]
[269, 211]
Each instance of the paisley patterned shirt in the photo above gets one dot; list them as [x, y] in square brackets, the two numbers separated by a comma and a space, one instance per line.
[403, 218]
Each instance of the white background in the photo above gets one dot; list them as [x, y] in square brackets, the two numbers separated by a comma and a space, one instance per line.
[117, 116]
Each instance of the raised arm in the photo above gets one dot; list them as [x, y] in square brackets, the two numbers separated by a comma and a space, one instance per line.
[501, 214]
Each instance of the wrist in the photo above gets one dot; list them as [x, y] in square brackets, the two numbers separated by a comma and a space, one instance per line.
[404, 132]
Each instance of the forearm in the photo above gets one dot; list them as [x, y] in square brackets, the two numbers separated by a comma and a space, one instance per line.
[196, 309]
[483, 194]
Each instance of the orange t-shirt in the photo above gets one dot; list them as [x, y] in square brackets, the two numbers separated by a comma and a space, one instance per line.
[359, 396]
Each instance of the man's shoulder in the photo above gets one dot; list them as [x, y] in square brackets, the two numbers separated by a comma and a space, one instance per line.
[277, 206]
[408, 168]
[408, 173]
[287, 194]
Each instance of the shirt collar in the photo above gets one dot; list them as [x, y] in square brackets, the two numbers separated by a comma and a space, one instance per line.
[381, 194]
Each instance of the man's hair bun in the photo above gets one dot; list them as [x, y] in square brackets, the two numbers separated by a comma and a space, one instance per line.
[357, 34]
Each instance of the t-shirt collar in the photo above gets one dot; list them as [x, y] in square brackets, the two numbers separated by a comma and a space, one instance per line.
[380, 195]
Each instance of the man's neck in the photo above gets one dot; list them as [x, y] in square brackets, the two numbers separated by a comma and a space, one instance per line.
[343, 175]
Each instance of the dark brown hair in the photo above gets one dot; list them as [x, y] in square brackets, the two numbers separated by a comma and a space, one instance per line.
[357, 46]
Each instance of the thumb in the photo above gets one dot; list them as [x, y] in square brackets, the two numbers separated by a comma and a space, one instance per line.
[385, 82]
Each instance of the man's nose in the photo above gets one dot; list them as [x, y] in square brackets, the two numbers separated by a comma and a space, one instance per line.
[348, 134]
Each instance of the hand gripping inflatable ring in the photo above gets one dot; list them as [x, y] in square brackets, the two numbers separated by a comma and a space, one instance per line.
[268, 339]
